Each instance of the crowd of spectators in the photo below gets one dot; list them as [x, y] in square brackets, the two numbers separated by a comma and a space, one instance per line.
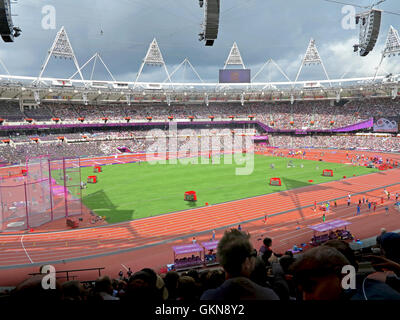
[107, 143]
[310, 114]
[245, 274]
[367, 142]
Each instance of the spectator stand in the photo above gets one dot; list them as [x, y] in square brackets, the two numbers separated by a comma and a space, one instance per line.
[323, 228]
[186, 262]
[210, 252]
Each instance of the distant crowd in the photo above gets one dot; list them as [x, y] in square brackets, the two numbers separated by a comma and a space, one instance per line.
[281, 115]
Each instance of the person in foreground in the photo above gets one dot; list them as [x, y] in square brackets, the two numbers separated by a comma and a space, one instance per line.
[318, 276]
[238, 257]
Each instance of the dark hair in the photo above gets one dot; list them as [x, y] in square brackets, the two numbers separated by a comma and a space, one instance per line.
[316, 263]
[171, 283]
[233, 249]
[152, 274]
[187, 289]
[194, 274]
[267, 242]
[286, 261]
[215, 279]
[390, 243]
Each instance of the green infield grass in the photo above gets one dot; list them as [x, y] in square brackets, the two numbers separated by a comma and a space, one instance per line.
[132, 191]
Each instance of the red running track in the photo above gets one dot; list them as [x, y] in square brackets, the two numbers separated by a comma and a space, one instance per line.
[38, 248]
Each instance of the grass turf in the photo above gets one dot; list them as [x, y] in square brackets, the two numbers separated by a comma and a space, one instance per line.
[132, 191]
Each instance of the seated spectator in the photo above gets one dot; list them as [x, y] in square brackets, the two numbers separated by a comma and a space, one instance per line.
[344, 248]
[265, 250]
[390, 246]
[187, 290]
[142, 288]
[103, 289]
[378, 238]
[73, 291]
[214, 279]
[318, 274]
[171, 284]
[237, 256]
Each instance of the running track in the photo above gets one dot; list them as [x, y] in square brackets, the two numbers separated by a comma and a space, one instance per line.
[37, 248]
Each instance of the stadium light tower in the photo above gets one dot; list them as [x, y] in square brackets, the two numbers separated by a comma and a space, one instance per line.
[61, 48]
[154, 58]
[392, 47]
[311, 57]
[234, 57]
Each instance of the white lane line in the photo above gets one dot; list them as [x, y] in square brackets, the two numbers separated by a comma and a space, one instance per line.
[124, 267]
[26, 252]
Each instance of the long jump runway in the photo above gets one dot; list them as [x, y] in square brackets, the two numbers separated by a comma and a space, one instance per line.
[20, 250]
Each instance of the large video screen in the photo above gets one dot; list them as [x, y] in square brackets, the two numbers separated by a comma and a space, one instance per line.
[234, 76]
[388, 124]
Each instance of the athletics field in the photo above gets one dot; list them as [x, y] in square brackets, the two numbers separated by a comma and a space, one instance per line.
[137, 190]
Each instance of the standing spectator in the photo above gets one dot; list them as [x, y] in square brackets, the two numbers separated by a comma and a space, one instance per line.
[369, 206]
[194, 240]
[237, 256]
[213, 235]
[358, 209]
[348, 202]
[129, 273]
[239, 227]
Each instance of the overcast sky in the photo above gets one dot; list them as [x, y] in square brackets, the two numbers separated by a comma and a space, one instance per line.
[263, 29]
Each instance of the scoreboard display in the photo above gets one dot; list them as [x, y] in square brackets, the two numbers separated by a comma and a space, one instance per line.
[234, 76]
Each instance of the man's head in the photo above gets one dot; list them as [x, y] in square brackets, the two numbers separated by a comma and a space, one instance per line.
[104, 284]
[318, 273]
[73, 291]
[267, 242]
[390, 245]
[236, 254]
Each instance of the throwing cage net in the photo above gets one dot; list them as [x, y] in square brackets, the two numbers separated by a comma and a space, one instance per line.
[50, 190]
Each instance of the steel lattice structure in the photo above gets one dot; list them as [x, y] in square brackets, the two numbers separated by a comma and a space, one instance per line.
[40, 88]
